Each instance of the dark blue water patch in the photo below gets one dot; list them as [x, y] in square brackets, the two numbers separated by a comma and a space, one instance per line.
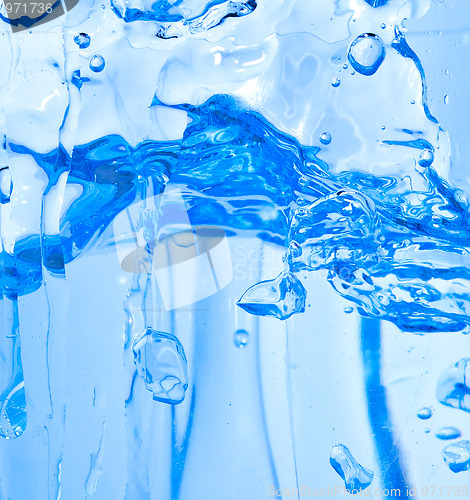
[22, 271]
[377, 3]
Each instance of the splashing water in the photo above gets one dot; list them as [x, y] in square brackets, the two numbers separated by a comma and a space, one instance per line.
[230, 101]
[356, 478]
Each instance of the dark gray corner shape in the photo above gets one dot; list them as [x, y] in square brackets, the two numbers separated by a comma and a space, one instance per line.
[24, 15]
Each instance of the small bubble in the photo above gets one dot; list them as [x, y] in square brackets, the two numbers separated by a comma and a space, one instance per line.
[82, 40]
[240, 338]
[348, 310]
[413, 101]
[97, 63]
[424, 413]
[345, 66]
[335, 82]
[427, 430]
[383, 26]
[325, 138]
[446, 99]
[426, 158]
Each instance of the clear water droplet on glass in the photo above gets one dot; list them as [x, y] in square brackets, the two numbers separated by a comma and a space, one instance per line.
[97, 63]
[281, 297]
[240, 338]
[82, 40]
[348, 310]
[457, 456]
[426, 158]
[335, 82]
[452, 388]
[383, 26]
[325, 138]
[161, 363]
[356, 477]
[424, 413]
[366, 53]
[447, 433]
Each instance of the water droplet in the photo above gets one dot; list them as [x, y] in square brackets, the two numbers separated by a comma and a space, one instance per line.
[345, 66]
[446, 99]
[82, 40]
[453, 389]
[426, 158]
[240, 338]
[427, 430]
[447, 433]
[335, 82]
[281, 297]
[383, 26]
[348, 310]
[303, 181]
[424, 413]
[413, 101]
[97, 63]
[457, 456]
[325, 138]
[161, 363]
[356, 478]
[366, 53]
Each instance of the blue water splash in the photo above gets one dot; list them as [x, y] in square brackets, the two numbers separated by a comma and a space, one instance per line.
[174, 21]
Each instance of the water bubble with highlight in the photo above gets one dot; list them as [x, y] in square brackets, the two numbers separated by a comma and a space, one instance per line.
[240, 338]
[426, 158]
[447, 433]
[366, 53]
[325, 138]
[457, 456]
[97, 63]
[424, 413]
[335, 82]
[82, 40]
